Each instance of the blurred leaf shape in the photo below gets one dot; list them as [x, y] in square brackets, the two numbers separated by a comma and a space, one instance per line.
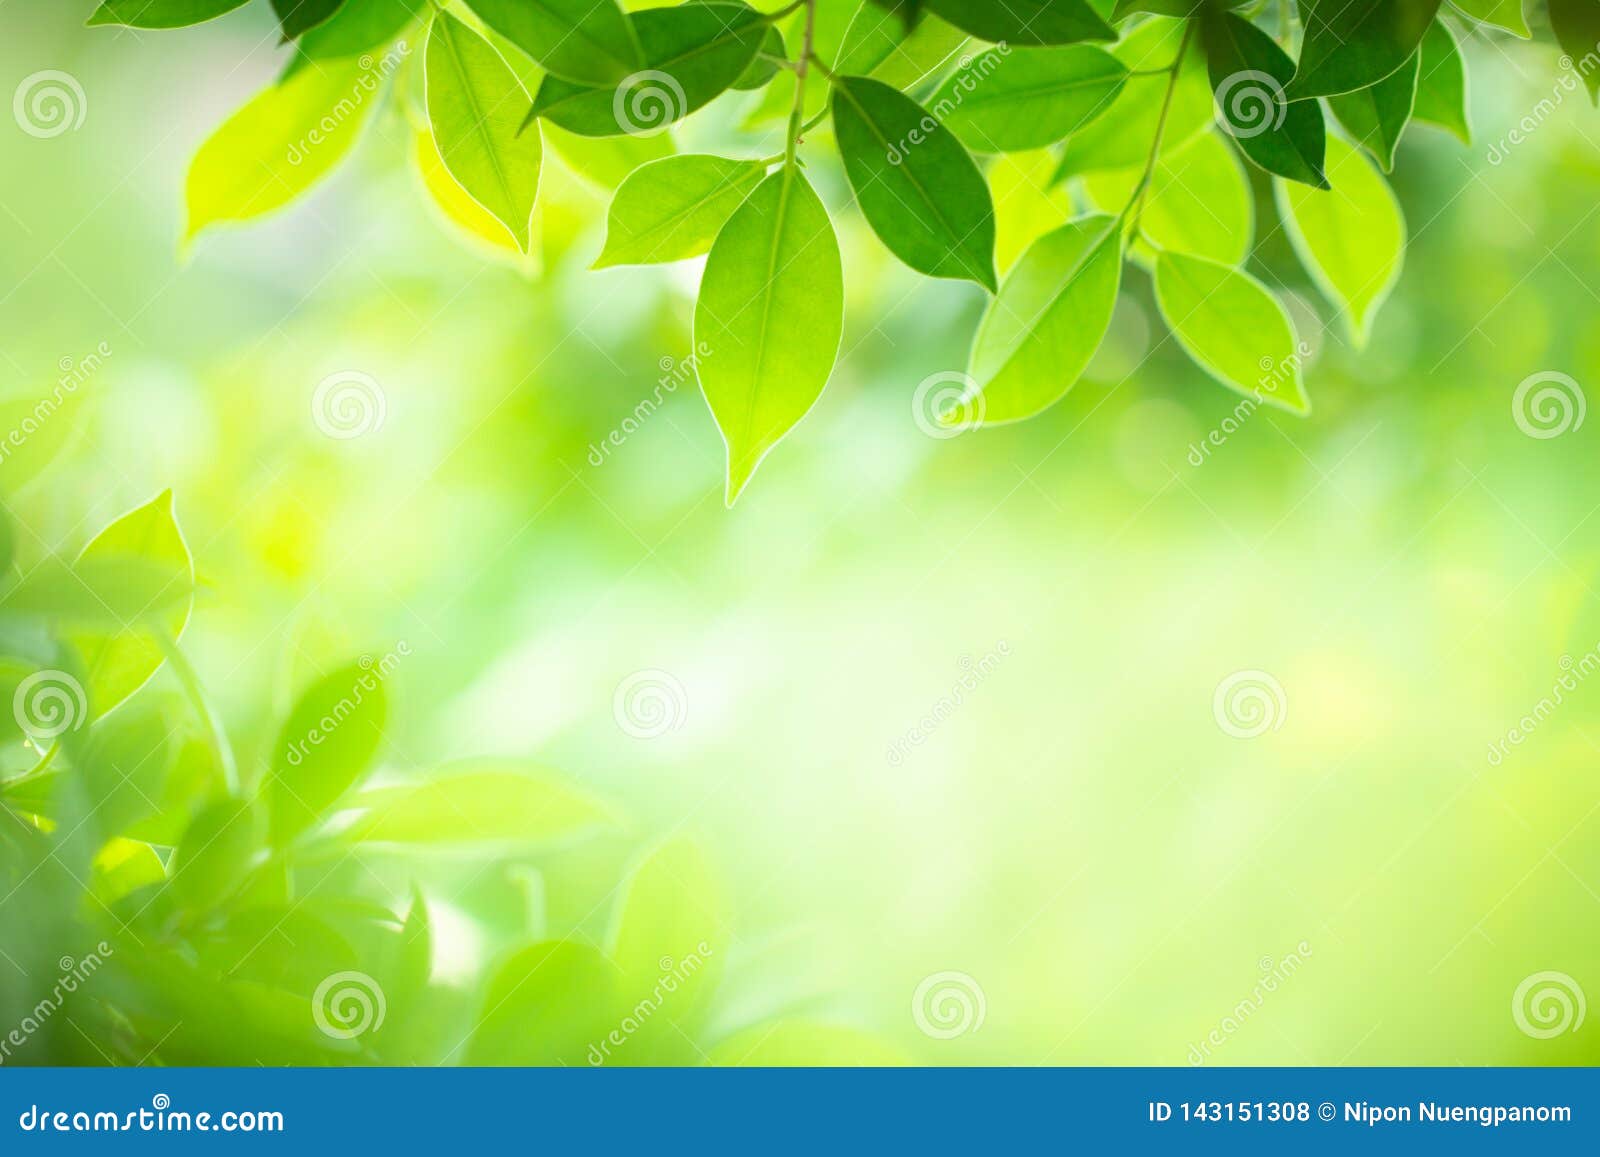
[161, 13]
[1442, 84]
[479, 802]
[328, 743]
[551, 1003]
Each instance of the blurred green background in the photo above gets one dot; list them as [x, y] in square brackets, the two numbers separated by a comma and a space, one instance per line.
[1079, 837]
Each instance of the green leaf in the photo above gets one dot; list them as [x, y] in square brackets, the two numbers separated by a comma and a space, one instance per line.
[761, 70]
[801, 1043]
[478, 803]
[673, 208]
[1376, 116]
[1199, 200]
[297, 17]
[1442, 84]
[1230, 324]
[161, 13]
[458, 207]
[1505, 14]
[1045, 324]
[917, 186]
[125, 766]
[213, 856]
[360, 26]
[877, 44]
[108, 594]
[1351, 239]
[33, 431]
[279, 144]
[1248, 71]
[553, 1003]
[1027, 98]
[583, 41]
[1351, 44]
[8, 542]
[475, 103]
[1125, 134]
[1024, 22]
[328, 742]
[1576, 24]
[120, 661]
[770, 313]
[1026, 204]
[122, 867]
[692, 53]
[668, 940]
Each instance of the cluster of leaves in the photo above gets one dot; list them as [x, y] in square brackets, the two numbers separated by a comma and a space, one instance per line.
[231, 909]
[1133, 113]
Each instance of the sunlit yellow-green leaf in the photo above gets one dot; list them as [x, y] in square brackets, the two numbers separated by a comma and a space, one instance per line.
[1351, 238]
[1027, 203]
[33, 430]
[161, 13]
[478, 803]
[123, 866]
[673, 208]
[554, 1003]
[1027, 98]
[1505, 14]
[769, 316]
[1198, 202]
[280, 143]
[120, 661]
[476, 105]
[328, 743]
[1233, 327]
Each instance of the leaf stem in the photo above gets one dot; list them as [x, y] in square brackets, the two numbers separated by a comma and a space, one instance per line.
[1135, 205]
[797, 115]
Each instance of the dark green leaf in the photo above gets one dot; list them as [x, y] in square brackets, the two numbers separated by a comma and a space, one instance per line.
[692, 53]
[161, 13]
[761, 70]
[587, 42]
[769, 316]
[1351, 44]
[917, 186]
[1442, 84]
[297, 17]
[1024, 22]
[360, 26]
[1376, 116]
[673, 208]
[328, 743]
[1027, 98]
[1045, 324]
[1248, 73]
[1576, 24]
